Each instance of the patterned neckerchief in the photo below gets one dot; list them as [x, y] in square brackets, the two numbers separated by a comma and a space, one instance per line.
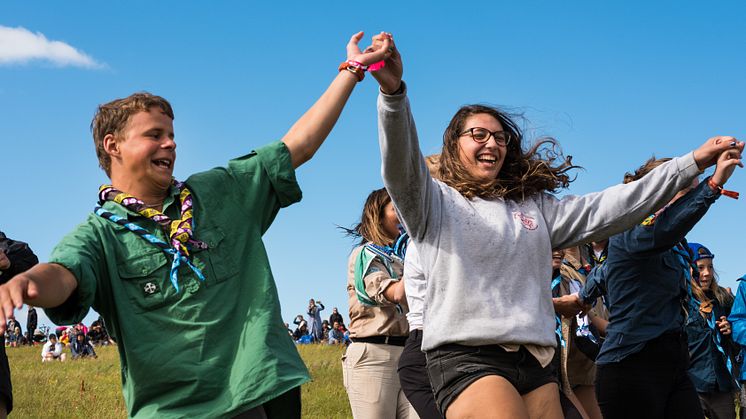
[179, 231]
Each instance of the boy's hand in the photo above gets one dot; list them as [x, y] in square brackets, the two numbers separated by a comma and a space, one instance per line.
[389, 77]
[12, 295]
[308, 133]
[44, 285]
[372, 54]
[568, 305]
[726, 164]
[709, 152]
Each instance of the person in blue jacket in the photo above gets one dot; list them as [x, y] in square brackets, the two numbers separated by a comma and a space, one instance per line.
[708, 332]
[737, 320]
[642, 365]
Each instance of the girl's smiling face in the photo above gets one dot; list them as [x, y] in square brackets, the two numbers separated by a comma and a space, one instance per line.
[706, 273]
[481, 160]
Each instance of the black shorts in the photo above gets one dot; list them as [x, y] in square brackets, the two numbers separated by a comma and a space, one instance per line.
[452, 368]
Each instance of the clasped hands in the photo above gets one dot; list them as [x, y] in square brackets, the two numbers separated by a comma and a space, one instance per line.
[570, 305]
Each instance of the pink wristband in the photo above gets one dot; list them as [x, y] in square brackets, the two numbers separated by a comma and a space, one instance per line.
[377, 66]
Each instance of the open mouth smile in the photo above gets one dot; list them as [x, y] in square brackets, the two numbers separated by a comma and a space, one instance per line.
[487, 159]
[163, 163]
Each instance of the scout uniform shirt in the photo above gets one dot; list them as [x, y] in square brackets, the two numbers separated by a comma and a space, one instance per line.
[215, 348]
[384, 319]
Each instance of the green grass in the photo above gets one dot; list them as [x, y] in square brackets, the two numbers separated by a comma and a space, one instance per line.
[325, 395]
[91, 388]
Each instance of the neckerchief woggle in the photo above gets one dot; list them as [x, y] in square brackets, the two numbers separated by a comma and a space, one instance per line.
[179, 231]
[555, 283]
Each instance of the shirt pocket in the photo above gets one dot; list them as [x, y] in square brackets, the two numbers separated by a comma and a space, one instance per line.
[217, 256]
[144, 275]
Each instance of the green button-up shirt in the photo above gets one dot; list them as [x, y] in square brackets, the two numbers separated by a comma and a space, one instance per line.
[216, 348]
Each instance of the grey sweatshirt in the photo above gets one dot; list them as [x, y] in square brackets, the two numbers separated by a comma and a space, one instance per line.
[488, 262]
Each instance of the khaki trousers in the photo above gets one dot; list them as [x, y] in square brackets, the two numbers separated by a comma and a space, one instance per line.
[372, 383]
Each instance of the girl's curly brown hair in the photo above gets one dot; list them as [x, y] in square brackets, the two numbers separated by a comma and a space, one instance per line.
[542, 168]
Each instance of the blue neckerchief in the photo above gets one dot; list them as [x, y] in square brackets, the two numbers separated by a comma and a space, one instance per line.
[178, 258]
[398, 248]
[400, 245]
[555, 283]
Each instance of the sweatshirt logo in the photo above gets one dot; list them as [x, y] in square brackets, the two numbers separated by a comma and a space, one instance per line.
[528, 222]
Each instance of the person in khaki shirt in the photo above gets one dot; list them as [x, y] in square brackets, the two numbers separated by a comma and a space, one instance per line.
[378, 324]
[577, 368]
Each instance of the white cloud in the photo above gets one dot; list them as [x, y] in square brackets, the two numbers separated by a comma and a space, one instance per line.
[19, 45]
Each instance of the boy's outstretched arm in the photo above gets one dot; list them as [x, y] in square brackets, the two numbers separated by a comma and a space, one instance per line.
[45, 285]
[307, 134]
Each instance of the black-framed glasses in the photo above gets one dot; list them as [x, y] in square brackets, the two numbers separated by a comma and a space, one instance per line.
[482, 135]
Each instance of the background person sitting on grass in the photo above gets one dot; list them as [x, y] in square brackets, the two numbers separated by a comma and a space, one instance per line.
[52, 350]
[81, 348]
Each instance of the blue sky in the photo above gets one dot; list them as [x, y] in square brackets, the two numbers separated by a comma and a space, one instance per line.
[614, 82]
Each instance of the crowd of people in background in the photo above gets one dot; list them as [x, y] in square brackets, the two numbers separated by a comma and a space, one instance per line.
[80, 340]
[332, 331]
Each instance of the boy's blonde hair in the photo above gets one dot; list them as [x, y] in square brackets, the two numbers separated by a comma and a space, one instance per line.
[112, 118]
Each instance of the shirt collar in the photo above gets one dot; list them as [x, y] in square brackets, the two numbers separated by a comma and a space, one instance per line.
[121, 210]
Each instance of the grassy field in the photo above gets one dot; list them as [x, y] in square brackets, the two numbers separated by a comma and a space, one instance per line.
[90, 388]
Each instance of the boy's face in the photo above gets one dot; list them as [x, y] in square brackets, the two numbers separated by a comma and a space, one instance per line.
[147, 152]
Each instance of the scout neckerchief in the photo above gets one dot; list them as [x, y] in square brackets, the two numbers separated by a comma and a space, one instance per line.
[597, 260]
[179, 231]
[386, 254]
[558, 321]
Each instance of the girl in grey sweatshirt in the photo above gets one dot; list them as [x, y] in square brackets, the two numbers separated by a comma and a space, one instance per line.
[485, 235]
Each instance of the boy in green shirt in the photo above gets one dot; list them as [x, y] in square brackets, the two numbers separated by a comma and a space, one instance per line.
[179, 271]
